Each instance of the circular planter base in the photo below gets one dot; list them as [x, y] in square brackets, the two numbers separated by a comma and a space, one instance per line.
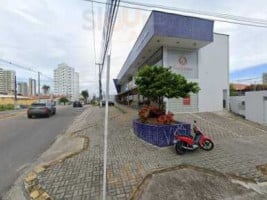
[160, 135]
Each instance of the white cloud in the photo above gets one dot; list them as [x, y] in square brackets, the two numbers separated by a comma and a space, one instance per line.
[26, 16]
[44, 33]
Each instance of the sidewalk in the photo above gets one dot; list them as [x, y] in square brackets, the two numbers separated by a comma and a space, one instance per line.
[239, 149]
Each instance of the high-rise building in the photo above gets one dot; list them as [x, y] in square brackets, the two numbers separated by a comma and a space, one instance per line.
[264, 78]
[7, 81]
[32, 87]
[76, 85]
[2, 84]
[23, 88]
[66, 82]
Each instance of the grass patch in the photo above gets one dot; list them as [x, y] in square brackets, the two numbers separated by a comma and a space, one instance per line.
[6, 107]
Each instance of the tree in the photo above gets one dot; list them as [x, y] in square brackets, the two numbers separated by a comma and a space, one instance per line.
[232, 90]
[85, 95]
[156, 82]
[63, 100]
[46, 88]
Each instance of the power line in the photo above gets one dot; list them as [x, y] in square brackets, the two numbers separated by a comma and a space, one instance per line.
[239, 20]
[247, 79]
[23, 67]
[213, 14]
[17, 65]
[108, 29]
[93, 32]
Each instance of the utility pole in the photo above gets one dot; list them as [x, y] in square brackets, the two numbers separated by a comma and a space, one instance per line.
[99, 82]
[39, 92]
[106, 130]
[15, 93]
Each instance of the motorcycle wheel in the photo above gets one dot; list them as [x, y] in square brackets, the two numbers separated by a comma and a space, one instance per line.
[179, 148]
[207, 145]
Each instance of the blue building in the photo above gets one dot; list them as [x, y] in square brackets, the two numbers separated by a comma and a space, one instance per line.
[190, 47]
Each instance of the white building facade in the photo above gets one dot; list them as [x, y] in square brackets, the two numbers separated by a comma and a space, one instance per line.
[32, 87]
[189, 47]
[264, 78]
[7, 81]
[256, 106]
[252, 106]
[66, 82]
[23, 89]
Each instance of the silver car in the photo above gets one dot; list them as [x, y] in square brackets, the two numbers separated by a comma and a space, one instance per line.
[41, 109]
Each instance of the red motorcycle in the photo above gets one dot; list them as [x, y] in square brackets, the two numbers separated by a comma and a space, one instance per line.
[188, 142]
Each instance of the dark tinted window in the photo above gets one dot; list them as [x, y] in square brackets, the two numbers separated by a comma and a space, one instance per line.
[38, 105]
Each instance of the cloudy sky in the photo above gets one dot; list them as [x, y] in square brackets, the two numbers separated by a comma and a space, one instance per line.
[40, 34]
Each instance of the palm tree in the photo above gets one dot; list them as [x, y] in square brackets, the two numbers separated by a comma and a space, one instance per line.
[46, 88]
[85, 95]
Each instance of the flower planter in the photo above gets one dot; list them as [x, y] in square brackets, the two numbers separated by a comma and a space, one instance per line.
[160, 135]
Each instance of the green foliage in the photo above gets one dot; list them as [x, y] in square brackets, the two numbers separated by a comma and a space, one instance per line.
[6, 107]
[45, 88]
[85, 95]
[156, 82]
[232, 90]
[63, 100]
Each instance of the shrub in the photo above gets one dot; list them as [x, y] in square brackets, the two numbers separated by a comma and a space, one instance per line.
[153, 115]
[6, 107]
[156, 83]
[165, 119]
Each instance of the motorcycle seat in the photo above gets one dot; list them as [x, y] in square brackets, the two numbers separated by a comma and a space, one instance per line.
[190, 136]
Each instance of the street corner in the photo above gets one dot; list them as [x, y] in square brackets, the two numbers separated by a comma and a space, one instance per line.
[63, 148]
[199, 183]
[53, 156]
[31, 184]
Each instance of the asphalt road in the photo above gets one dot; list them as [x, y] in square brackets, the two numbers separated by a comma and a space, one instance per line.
[22, 140]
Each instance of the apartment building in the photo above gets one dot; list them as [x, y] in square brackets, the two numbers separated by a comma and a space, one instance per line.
[22, 89]
[264, 78]
[32, 87]
[7, 81]
[66, 82]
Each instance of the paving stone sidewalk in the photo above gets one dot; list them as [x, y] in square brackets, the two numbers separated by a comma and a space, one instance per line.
[239, 148]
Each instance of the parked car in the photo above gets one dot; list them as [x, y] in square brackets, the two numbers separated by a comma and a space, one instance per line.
[110, 103]
[41, 109]
[77, 104]
[51, 106]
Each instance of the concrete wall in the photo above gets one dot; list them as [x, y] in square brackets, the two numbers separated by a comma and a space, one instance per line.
[237, 105]
[188, 70]
[256, 106]
[209, 66]
[10, 100]
[213, 70]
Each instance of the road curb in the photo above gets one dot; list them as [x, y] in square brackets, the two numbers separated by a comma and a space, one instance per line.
[31, 183]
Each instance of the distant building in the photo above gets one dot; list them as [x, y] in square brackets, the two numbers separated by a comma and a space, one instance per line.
[239, 87]
[264, 78]
[76, 85]
[32, 87]
[7, 81]
[66, 82]
[23, 88]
